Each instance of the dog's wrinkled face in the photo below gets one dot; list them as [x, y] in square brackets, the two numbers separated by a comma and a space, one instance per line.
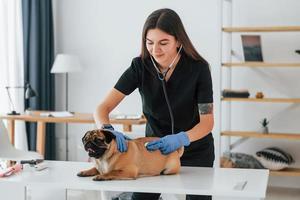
[96, 142]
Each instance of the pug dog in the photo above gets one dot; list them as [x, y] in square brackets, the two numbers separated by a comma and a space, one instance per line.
[137, 161]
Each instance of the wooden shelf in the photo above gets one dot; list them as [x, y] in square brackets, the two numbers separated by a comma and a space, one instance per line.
[263, 100]
[288, 136]
[260, 64]
[262, 29]
[286, 172]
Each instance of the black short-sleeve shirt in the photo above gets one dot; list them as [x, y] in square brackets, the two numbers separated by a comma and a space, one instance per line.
[189, 85]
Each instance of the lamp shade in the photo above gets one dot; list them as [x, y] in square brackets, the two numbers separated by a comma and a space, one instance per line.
[65, 63]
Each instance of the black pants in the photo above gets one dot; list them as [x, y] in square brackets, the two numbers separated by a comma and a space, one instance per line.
[203, 157]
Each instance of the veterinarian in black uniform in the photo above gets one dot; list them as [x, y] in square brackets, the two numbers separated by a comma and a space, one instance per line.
[175, 85]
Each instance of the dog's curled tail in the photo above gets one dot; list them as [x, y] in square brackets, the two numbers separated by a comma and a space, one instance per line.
[180, 151]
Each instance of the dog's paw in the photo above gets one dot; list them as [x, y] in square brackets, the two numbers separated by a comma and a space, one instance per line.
[84, 174]
[81, 174]
[90, 172]
[101, 178]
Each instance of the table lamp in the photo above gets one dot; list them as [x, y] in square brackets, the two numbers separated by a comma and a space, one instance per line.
[29, 92]
[65, 64]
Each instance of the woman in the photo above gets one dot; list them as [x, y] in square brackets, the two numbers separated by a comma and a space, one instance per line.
[175, 85]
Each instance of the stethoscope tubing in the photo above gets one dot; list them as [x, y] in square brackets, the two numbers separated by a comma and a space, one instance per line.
[161, 76]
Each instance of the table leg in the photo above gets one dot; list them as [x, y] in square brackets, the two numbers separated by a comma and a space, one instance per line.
[41, 134]
[103, 195]
[127, 127]
[11, 129]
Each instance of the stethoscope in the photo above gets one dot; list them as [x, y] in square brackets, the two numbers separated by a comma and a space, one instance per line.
[161, 76]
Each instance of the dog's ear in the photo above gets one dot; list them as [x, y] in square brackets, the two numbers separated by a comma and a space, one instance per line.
[109, 136]
[85, 136]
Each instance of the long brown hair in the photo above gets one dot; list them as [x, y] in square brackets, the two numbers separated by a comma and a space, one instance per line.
[168, 21]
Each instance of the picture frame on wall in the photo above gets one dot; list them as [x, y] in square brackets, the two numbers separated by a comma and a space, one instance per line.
[252, 48]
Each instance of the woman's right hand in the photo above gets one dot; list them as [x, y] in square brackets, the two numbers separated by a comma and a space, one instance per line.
[121, 140]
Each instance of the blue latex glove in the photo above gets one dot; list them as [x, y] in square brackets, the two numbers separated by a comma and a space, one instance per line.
[169, 143]
[120, 139]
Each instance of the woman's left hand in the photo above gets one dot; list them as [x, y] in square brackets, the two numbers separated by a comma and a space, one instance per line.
[169, 143]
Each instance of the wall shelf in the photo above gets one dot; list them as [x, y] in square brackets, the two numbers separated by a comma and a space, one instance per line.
[286, 172]
[264, 100]
[228, 63]
[260, 64]
[253, 134]
[287, 136]
[262, 29]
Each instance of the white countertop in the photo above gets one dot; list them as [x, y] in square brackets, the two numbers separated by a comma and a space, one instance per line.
[191, 180]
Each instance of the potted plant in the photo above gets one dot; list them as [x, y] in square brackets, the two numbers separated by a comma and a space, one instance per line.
[264, 126]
